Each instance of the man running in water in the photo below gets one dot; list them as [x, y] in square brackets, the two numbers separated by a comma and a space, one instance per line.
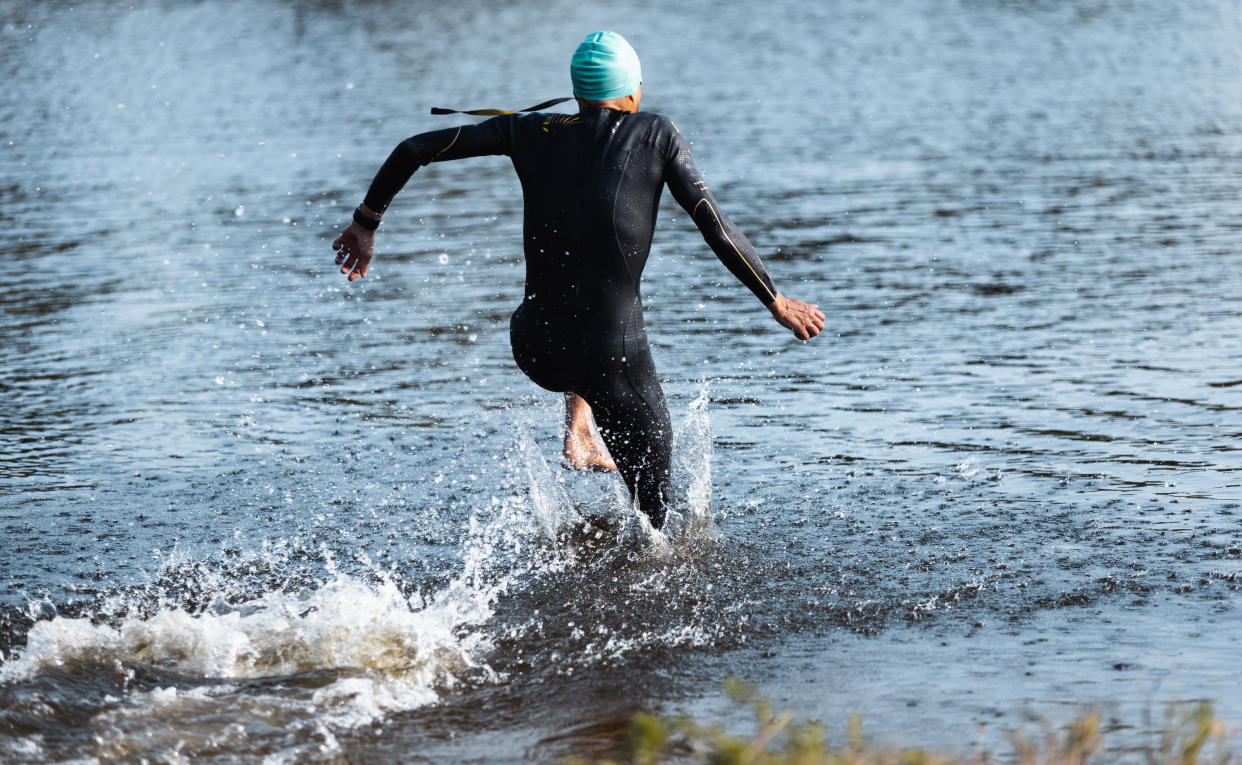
[591, 185]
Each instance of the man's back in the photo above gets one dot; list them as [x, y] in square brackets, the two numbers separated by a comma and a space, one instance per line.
[591, 188]
[591, 185]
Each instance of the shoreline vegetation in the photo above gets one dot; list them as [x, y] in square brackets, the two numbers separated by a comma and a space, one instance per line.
[1192, 735]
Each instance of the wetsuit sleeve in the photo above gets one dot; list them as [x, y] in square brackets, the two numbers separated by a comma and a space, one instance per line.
[725, 239]
[495, 136]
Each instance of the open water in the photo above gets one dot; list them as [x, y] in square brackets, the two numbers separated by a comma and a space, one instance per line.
[248, 510]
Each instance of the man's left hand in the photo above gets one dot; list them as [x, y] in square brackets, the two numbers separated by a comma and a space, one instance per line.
[804, 319]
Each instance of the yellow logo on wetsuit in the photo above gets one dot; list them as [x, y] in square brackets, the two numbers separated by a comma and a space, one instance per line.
[560, 119]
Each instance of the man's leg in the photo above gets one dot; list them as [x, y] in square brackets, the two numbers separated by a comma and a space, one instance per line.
[633, 419]
[546, 368]
[583, 448]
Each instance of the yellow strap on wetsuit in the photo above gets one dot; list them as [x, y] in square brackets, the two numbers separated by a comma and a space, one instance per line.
[497, 112]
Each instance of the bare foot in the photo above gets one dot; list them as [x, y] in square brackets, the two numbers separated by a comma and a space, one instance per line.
[584, 450]
[591, 457]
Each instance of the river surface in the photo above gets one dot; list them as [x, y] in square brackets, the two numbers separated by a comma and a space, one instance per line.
[251, 511]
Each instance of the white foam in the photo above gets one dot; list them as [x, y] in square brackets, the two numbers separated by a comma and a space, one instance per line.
[392, 652]
[27, 749]
[344, 624]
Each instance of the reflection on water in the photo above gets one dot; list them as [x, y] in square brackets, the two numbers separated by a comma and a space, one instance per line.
[250, 509]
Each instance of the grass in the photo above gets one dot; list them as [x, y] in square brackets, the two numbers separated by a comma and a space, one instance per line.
[1192, 736]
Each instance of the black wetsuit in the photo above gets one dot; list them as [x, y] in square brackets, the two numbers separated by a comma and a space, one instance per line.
[591, 184]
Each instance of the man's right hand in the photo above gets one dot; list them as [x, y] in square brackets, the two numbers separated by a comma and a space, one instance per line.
[353, 250]
[804, 319]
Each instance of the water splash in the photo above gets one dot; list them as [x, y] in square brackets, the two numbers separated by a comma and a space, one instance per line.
[692, 476]
[265, 641]
[550, 506]
[387, 651]
[384, 649]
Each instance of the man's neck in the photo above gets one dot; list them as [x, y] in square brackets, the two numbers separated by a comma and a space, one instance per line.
[626, 104]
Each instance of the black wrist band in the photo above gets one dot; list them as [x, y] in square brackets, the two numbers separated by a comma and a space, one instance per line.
[367, 222]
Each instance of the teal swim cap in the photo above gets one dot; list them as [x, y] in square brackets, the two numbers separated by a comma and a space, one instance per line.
[604, 67]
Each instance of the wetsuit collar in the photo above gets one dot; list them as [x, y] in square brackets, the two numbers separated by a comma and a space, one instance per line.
[583, 110]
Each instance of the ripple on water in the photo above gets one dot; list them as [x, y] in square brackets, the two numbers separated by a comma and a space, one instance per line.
[260, 498]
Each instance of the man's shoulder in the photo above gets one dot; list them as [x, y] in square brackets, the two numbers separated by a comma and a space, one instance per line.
[660, 120]
[546, 122]
[661, 131]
